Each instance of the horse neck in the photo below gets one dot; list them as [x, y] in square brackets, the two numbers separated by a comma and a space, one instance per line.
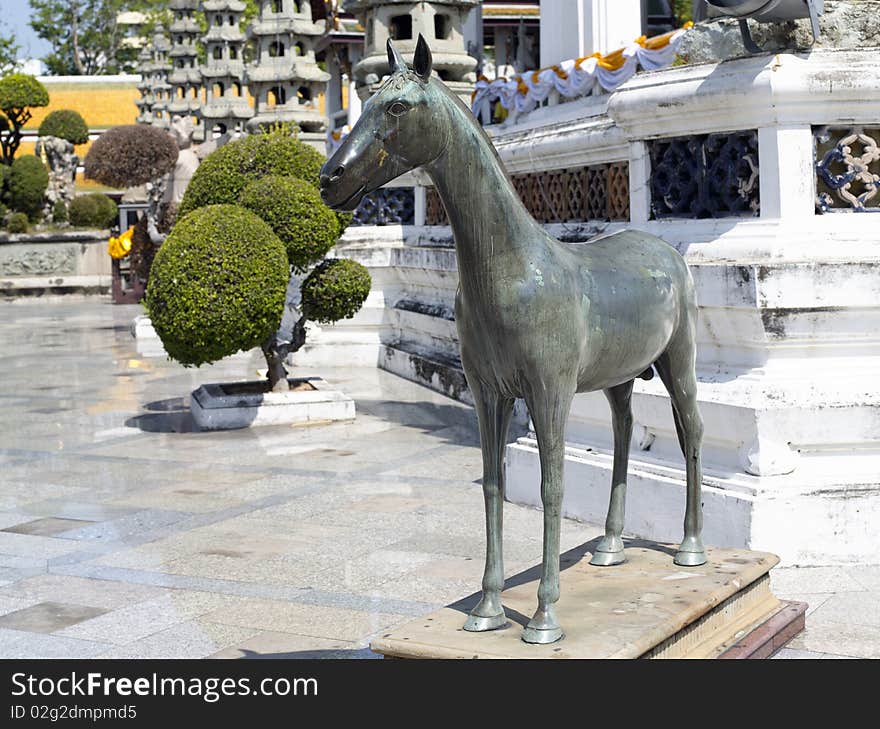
[487, 217]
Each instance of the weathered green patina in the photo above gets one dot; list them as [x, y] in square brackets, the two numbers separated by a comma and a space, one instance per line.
[537, 318]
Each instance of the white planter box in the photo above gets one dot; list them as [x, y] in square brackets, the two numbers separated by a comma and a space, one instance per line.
[223, 406]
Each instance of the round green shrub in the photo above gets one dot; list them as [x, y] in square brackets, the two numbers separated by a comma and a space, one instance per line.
[294, 210]
[224, 173]
[26, 183]
[130, 155]
[92, 211]
[336, 289]
[217, 284]
[65, 124]
[18, 90]
[17, 223]
[59, 212]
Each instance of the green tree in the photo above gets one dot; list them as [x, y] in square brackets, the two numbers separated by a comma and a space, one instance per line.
[85, 37]
[8, 52]
[684, 11]
[19, 93]
[271, 177]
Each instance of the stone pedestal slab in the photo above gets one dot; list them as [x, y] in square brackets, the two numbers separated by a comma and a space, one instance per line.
[647, 607]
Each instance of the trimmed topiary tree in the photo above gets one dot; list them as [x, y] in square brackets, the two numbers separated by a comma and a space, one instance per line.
[19, 93]
[130, 155]
[295, 211]
[261, 174]
[335, 289]
[17, 223]
[217, 285]
[92, 211]
[26, 184]
[65, 124]
[223, 175]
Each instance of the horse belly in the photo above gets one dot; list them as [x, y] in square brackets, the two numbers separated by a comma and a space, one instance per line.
[628, 330]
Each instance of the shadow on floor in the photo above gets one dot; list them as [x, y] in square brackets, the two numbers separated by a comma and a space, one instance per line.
[165, 416]
[358, 653]
[566, 560]
[459, 421]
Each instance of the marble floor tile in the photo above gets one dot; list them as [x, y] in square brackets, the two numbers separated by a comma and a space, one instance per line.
[19, 644]
[46, 527]
[48, 617]
[272, 645]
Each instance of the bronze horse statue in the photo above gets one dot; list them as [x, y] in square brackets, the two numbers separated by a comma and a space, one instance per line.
[536, 318]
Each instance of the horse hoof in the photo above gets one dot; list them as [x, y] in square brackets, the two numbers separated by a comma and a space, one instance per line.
[541, 636]
[479, 624]
[606, 559]
[690, 559]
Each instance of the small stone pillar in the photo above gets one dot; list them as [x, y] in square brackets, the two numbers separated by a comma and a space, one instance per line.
[439, 21]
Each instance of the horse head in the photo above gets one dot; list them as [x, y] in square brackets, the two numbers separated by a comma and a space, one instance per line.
[397, 131]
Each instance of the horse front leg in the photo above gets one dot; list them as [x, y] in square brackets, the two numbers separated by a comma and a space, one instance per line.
[549, 413]
[493, 415]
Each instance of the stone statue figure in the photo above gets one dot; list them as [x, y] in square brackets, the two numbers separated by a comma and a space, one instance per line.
[182, 129]
[59, 156]
[537, 318]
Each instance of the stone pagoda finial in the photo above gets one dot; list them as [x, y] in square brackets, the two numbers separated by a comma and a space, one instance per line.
[285, 79]
[226, 107]
[439, 21]
[185, 77]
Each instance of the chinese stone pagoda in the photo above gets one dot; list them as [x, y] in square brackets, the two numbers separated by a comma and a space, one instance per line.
[226, 107]
[285, 79]
[155, 90]
[439, 21]
[185, 77]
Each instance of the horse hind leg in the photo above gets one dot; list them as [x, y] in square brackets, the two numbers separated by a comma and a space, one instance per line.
[610, 549]
[676, 367]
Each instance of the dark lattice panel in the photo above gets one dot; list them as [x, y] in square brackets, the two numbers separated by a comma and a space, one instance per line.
[435, 213]
[847, 169]
[387, 206]
[578, 194]
[618, 191]
[597, 192]
[705, 176]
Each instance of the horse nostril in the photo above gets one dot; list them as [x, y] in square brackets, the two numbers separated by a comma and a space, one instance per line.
[337, 173]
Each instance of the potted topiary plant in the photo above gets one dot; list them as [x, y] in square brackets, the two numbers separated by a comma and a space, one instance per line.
[255, 178]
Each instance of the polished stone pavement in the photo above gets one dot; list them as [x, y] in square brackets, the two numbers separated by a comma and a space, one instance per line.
[125, 533]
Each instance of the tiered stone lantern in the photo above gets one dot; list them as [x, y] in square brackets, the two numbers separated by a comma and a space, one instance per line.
[439, 21]
[185, 77]
[226, 107]
[285, 79]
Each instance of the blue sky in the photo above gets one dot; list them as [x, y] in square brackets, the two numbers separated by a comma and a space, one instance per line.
[14, 16]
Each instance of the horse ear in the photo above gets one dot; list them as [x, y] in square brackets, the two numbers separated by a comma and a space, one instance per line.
[422, 59]
[395, 60]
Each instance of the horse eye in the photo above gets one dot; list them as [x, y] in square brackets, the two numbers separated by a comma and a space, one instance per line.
[398, 108]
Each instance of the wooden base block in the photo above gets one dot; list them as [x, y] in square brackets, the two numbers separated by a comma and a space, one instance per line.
[647, 607]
